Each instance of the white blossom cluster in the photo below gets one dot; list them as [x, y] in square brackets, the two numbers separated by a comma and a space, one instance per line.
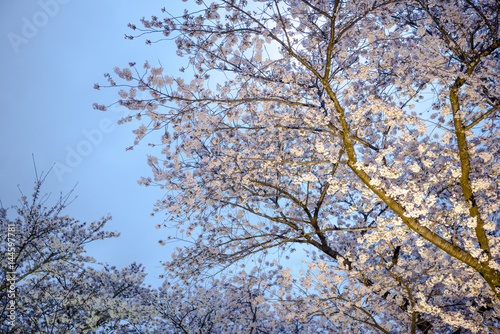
[361, 137]
[56, 287]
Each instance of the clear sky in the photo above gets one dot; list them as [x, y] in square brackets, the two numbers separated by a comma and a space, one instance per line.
[51, 54]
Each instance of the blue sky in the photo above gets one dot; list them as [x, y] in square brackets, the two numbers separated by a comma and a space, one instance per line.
[51, 54]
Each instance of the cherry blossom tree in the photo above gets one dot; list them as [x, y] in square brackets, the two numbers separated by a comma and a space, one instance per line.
[360, 137]
[49, 285]
[235, 305]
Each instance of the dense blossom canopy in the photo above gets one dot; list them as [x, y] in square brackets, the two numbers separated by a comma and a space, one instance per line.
[49, 285]
[359, 137]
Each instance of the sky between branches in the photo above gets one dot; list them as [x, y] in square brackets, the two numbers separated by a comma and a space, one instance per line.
[51, 54]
